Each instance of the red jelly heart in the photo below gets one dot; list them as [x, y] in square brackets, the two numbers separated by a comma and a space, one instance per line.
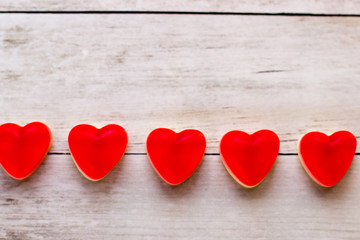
[249, 158]
[175, 156]
[327, 158]
[22, 149]
[97, 151]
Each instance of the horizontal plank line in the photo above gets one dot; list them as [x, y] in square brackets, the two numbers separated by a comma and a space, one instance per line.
[58, 153]
[206, 154]
[288, 14]
[67, 153]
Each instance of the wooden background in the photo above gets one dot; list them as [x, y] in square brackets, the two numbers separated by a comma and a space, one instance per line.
[252, 69]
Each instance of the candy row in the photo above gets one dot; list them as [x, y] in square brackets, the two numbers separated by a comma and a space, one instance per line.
[176, 156]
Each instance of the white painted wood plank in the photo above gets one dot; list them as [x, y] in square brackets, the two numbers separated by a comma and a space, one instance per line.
[262, 6]
[216, 73]
[133, 203]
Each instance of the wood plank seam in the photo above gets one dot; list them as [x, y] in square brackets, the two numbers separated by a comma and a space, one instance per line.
[287, 14]
[206, 154]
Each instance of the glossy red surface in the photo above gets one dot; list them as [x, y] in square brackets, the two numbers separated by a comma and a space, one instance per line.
[97, 151]
[249, 158]
[22, 149]
[175, 156]
[327, 158]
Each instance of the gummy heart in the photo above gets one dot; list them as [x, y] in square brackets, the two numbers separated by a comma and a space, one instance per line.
[249, 158]
[175, 156]
[22, 149]
[327, 158]
[97, 151]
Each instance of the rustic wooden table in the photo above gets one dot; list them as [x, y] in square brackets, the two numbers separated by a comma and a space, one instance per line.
[70, 62]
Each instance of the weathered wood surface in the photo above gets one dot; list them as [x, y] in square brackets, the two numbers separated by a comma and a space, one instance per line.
[213, 73]
[259, 6]
[133, 203]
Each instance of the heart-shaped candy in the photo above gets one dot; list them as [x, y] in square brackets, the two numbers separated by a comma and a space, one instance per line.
[249, 158]
[22, 149]
[175, 156]
[97, 151]
[327, 158]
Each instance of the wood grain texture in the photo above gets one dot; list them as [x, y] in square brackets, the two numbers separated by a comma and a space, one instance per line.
[213, 73]
[133, 203]
[261, 6]
[216, 73]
